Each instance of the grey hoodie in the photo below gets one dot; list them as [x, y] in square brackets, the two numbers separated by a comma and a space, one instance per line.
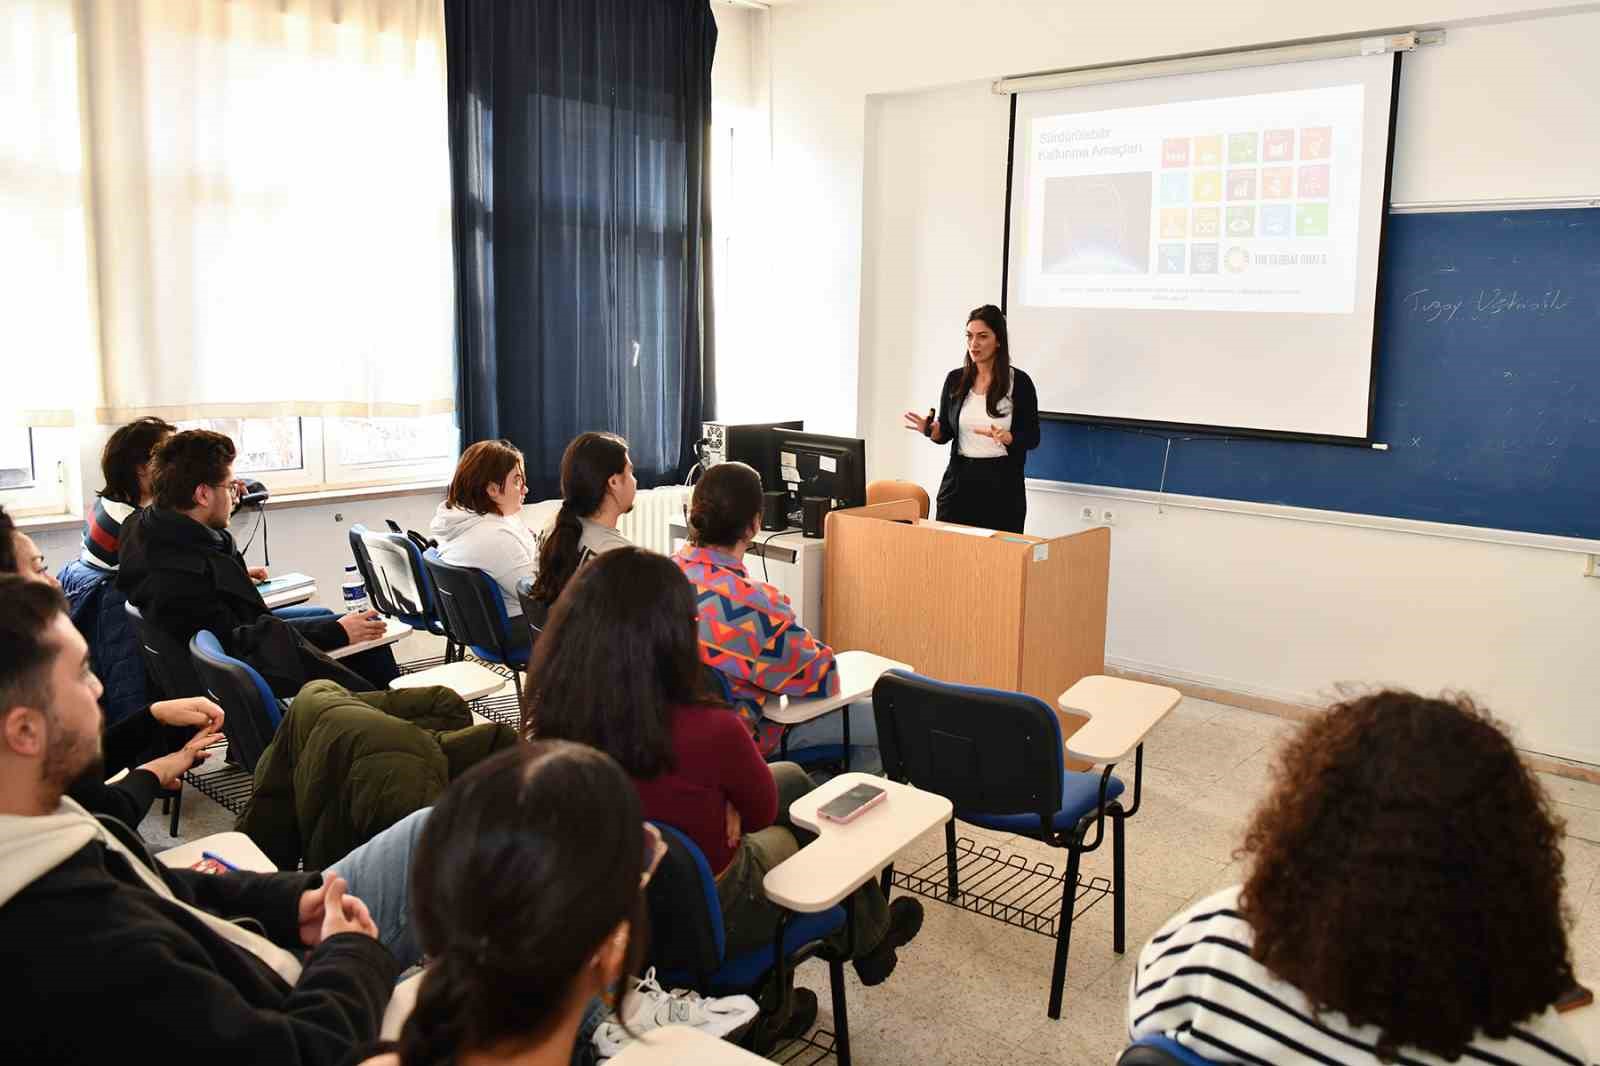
[499, 545]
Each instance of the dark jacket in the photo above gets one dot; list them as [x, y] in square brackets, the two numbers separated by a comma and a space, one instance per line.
[99, 966]
[128, 800]
[1024, 415]
[344, 767]
[96, 607]
[185, 577]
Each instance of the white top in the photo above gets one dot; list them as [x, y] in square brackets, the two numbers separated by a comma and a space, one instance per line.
[845, 857]
[1197, 983]
[1120, 712]
[500, 546]
[975, 416]
[858, 673]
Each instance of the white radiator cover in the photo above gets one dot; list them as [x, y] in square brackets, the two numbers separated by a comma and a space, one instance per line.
[654, 512]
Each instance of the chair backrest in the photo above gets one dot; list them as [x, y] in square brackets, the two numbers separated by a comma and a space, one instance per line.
[537, 612]
[472, 606]
[401, 581]
[1159, 1050]
[376, 592]
[686, 932]
[888, 491]
[166, 660]
[251, 713]
[717, 682]
[986, 750]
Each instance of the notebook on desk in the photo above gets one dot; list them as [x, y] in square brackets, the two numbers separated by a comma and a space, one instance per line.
[283, 583]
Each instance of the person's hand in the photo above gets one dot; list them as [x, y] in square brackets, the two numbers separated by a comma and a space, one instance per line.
[735, 828]
[170, 768]
[362, 626]
[917, 422]
[995, 433]
[327, 911]
[194, 710]
[257, 573]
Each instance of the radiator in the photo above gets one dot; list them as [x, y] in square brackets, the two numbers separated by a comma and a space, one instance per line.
[654, 512]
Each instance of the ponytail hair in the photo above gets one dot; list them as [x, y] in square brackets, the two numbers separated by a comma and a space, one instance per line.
[587, 467]
[527, 865]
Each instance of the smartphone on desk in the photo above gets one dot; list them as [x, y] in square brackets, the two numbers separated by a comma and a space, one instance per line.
[848, 806]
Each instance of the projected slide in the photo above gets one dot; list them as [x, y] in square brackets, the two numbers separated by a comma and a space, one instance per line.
[1238, 203]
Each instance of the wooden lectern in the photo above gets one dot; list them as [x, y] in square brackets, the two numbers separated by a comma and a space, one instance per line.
[1005, 610]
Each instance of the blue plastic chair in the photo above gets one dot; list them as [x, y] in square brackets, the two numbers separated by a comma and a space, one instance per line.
[688, 945]
[252, 713]
[403, 588]
[474, 610]
[997, 756]
[1159, 1050]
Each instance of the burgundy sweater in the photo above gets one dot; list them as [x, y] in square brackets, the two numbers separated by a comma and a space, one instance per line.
[717, 764]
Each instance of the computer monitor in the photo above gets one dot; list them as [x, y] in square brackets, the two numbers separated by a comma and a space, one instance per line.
[811, 464]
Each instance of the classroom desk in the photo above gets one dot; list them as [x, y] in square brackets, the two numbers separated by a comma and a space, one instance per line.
[235, 848]
[1120, 713]
[393, 631]
[844, 857]
[858, 673]
[470, 680]
[683, 1045]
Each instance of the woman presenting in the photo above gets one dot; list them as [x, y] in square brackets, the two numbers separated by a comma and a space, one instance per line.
[989, 413]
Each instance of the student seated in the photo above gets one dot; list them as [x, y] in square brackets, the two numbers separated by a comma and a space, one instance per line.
[163, 733]
[618, 668]
[180, 567]
[597, 488]
[529, 901]
[108, 950]
[89, 581]
[777, 658]
[479, 524]
[1403, 904]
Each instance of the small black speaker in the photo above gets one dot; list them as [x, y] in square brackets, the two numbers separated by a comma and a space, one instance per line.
[774, 515]
[813, 512]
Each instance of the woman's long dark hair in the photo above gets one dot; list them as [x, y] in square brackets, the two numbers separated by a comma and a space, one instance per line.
[620, 651]
[126, 451]
[1000, 377]
[587, 466]
[527, 864]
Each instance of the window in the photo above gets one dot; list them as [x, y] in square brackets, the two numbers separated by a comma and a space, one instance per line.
[33, 465]
[309, 454]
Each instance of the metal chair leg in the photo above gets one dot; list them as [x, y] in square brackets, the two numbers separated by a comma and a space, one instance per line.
[177, 808]
[1069, 892]
[886, 882]
[953, 891]
[841, 1024]
[1118, 890]
[845, 758]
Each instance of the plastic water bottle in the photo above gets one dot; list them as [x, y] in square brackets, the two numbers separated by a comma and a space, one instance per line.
[355, 591]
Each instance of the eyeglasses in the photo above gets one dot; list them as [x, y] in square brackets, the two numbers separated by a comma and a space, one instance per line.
[655, 849]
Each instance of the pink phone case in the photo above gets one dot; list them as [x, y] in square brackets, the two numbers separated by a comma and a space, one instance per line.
[857, 813]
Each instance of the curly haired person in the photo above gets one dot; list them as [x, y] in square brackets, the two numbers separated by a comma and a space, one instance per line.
[1403, 905]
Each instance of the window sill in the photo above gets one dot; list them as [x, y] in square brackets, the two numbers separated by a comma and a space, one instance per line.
[318, 497]
[48, 523]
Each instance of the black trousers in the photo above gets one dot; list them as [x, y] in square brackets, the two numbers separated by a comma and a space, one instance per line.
[987, 493]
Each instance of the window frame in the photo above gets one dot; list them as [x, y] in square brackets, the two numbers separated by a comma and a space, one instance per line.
[54, 453]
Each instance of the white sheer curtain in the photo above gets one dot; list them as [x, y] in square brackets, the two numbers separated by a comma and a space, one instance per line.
[269, 204]
[46, 303]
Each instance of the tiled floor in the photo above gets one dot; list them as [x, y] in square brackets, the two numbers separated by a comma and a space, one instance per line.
[971, 991]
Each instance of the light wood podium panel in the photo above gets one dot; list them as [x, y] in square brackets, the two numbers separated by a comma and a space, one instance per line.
[997, 609]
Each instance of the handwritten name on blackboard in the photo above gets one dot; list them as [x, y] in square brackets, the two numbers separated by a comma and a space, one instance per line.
[1486, 305]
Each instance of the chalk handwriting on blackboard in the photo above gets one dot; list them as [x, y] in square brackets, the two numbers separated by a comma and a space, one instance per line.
[1488, 304]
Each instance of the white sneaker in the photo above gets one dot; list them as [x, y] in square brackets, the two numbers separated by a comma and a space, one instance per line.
[650, 1007]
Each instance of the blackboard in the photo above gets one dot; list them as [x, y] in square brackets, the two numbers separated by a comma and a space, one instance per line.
[1488, 392]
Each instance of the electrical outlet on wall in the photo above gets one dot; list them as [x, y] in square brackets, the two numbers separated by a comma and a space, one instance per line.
[1108, 516]
[1087, 514]
[1591, 565]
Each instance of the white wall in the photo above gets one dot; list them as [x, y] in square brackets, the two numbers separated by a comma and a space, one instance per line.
[889, 192]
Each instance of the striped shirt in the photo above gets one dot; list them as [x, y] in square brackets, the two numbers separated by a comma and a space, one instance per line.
[1197, 983]
[102, 534]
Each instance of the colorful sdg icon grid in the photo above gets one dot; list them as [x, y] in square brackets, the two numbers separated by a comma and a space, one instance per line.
[1216, 188]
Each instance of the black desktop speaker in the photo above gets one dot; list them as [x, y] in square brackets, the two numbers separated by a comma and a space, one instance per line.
[774, 515]
[813, 512]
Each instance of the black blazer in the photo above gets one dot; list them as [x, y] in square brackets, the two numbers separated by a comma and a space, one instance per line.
[100, 967]
[1024, 415]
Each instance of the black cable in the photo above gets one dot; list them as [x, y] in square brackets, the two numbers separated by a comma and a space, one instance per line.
[261, 517]
[765, 576]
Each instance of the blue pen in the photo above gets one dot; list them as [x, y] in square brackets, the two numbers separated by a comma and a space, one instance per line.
[214, 857]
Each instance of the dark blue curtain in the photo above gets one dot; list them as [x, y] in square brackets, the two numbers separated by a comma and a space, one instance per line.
[579, 133]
